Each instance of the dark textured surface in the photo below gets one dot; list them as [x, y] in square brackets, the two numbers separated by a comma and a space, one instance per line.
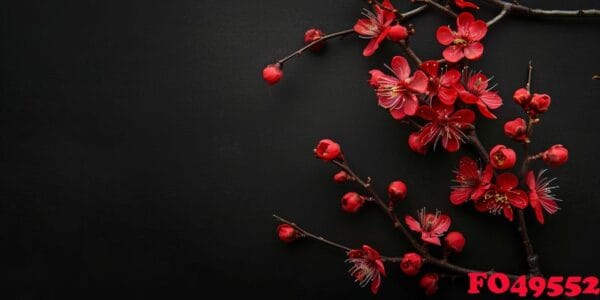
[142, 155]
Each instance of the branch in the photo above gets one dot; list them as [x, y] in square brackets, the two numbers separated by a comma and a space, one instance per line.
[322, 39]
[438, 6]
[519, 9]
[410, 52]
[498, 17]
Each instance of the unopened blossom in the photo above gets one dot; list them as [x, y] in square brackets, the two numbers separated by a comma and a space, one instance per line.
[287, 233]
[327, 150]
[312, 35]
[516, 129]
[502, 157]
[429, 282]
[556, 155]
[411, 263]
[455, 241]
[272, 73]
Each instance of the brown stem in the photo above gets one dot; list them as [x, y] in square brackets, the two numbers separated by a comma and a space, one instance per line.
[399, 16]
[438, 6]
[379, 201]
[313, 236]
[410, 53]
[473, 139]
[324, 38]
[498, 17]
[517, 9]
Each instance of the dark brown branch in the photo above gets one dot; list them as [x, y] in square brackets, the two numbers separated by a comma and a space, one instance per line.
[498, 17]
[409, 51]
[473, 139]
[322, 39]
[518, 9]
[438, 6]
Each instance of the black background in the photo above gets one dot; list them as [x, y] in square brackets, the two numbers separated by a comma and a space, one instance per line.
[142, 154]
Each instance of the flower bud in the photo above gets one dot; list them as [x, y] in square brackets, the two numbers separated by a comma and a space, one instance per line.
[352, 202]
[397, 190]
[516, 129]
[429, 283]
[455, 241]
[272, 73]
[340, 176]
[502, 158]
[375, 76]
[312, 35]
[556, 155]
[327, 150]
[411, 263]
[522, 97]
[415, 144]
[287, 233]
[539, 103]
[397, 33]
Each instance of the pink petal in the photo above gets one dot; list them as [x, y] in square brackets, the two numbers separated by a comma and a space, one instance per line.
[411, 104]
[362, 27]
[460, 195]
[463, 21]
[444, 35]
[397, 113]
[400, 67]
[373, 44]
[473, 50]
[477, 30]
[447, 95]
[375, 284]
[450, 78]
[442, 225]
[419, 82]
[453, 53]
[413, 224]
[491, 99]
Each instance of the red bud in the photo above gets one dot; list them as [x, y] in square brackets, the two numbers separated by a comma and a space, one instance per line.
[502, 158]
[455, 241]
[287, 233]
[411, 264]
[312, 35]
[272, 73]
[556, 155]
[352, 202]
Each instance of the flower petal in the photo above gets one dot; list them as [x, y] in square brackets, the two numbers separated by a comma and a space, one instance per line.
[413, 224]
[477, 30]
[444, 35]
[450, 78]
[375, 284]
[411, 104]
[463, 21]
[447, 95]
[485, 111]
[539, 214]
[450, 143]
[530, 181]
[431, 67]
[467, 97]
[507, 181]
[400, 67]
[508, 212]
[442, 224]
[397, 113]
[428, 238]
[491, 99]
[465, 4]
[363, 27]
[518, 199]
[473, 50]
[453, 53]
[463, 116]
[460, 195]
[419, 82]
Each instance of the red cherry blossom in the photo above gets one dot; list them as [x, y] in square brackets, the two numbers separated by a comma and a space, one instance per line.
[397, 190]
[502, 157]
[556, 155]
[539, 104]
[455, 241]
[415, 144]
[312, 35]
[541, 196]
[472, 182]
[397, 93]
[352, 202]
[429, 283]
[287, 233]
[272, 73]
[327, 150]
[503, 196]
[411, 263]
[476, 91]
[517, 130]
[397, 33]
[367, 266]
[375, 26]
[431, 226]
[445, 125]
[341, 176]
[465, 4]
[465, 41]
[443, 85]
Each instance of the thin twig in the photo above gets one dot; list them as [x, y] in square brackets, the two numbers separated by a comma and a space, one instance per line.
[498, 17]
[322, 39]
[410, 52]
[518, 9]
[438, 6]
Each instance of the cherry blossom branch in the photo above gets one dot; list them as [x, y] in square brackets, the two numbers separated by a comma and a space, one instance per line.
[324, 38]
[400, 16]
[532, 258]
[438, 6]
[513, 8]
[410, 52]
[473, 139]
[499, 16]
[303, 232]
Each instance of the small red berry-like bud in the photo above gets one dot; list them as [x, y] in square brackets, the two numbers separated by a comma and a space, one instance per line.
[352, 202]
[272, 73]
[556, 155]
[340, 176]
[502, 157]
[415, 144]
[516, 129]
[327, 150]
[522, 97]
[455, 241]
[539, 103]
[397, 33]
[397, 190]
[375, 76]
[312, 35]
[411, 263]
[287, 233]
[429, 283]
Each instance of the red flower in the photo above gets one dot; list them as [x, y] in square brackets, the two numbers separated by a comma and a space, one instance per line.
[327, 150]
[411, 263]
[502, 157]
[465, 41]
[397, 93]
[352, 202]
[445, 125]
[367, 267]
[476, 92]
[397, 190]
[541, 195]
[455, 241]
[539, 104]
[517, 130]
[312, 35]
[503, 196]
[429, 283]
[375, 26]
[472, 181]
[522, 97]
[431, 226]
[465, 4]
[556, 155]
[287, 233]
[397, 33]
[442, 86]
[272, 73]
